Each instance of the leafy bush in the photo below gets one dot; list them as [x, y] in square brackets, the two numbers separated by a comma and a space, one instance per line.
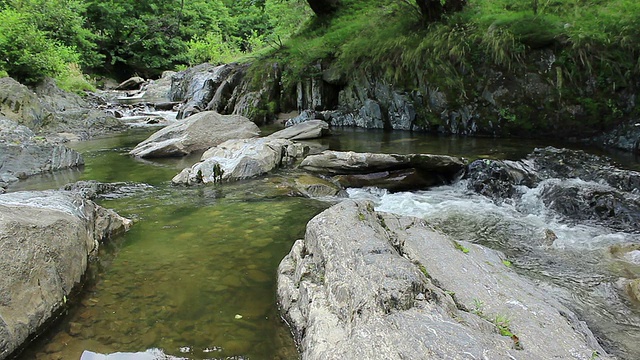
[26, 53]
[73, 80]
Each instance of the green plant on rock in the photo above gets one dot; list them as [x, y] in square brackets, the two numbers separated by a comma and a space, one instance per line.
[460, 247]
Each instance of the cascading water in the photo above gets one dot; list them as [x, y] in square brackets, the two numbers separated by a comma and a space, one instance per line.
[584, 264]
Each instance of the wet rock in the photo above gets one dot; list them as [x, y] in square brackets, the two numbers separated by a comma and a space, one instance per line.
[46, 239]
[132, 83]
[196, 133]
[315, 187]
[387, 170]
[393, 180]
[581, 200]
[93, 189]
[624, 137]
[367, 285]
[311, 129]
[498, 179]
[23, 154]
[551, 162]
[240, 159]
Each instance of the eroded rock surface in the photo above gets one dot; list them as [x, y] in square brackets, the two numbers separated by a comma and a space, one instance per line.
[196, 133]
[46, 239]
[390, 171]
[368, 285]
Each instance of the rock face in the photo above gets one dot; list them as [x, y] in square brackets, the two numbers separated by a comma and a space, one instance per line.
[624, 137]
[22, 105]
[45, 242]
[367, 285]
[311, 129]
[390, 171]
[240, 159]
[23, 154]
[51, 110]
[197, 133]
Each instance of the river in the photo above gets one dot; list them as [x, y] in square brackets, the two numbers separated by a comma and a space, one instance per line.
[195, 276]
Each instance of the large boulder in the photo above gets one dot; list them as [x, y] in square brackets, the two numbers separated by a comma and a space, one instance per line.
[196, 133]
[311, 129]
[240, 159]
[23, 154]
[369, 285]
[46, 239]
[132, 83]
[390, 171]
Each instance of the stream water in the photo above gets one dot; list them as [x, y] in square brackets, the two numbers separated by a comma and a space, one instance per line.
[195, 276]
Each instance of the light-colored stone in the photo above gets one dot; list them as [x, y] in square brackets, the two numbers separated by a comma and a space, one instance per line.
[368, 285]
[311, 129]
[240, 159]
[196, 133]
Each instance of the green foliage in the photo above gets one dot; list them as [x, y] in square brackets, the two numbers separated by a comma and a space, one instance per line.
[73, 80]
[26, 52]
[460, 247]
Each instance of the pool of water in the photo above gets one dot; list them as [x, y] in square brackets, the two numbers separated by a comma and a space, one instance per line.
[195, 276]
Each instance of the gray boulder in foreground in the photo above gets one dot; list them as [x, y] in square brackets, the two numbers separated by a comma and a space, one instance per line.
[369, 285]
[311, 129]
[240, 159]
[45, 242]
[198, 132]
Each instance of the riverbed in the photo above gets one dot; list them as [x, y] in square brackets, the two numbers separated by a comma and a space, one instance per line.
[195, 276]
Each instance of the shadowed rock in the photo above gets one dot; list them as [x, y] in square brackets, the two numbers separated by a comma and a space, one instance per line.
[390, 171]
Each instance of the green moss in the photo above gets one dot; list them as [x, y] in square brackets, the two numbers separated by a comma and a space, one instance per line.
[460, 247]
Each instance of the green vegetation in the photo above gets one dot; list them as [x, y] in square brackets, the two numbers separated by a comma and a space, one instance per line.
[460, 247]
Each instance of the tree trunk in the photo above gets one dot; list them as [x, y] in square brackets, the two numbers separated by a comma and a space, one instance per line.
[323, 7]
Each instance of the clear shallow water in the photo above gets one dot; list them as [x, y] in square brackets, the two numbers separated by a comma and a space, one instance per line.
[195, 276]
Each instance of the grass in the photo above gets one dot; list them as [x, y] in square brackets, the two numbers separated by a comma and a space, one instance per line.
[591, 39]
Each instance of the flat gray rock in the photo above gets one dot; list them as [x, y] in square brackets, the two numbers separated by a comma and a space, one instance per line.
[368, 285]
[196, 133]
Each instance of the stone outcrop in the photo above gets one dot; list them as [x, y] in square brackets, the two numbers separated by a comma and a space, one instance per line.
[23, 106]
[23, 154]
[368, 285]
[311, 129]
[390, 171]
[196, 133]
[46, 239]
[625, 137]
[240, 159]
